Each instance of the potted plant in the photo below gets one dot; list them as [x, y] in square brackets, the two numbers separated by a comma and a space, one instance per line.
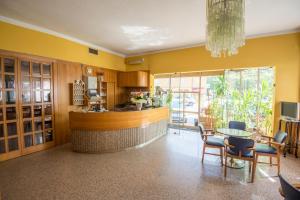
[139, 100]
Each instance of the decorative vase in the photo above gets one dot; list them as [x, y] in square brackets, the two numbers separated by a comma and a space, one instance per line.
[139, 106]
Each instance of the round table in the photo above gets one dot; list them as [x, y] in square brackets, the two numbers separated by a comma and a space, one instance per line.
[234, 163]
[234, 132]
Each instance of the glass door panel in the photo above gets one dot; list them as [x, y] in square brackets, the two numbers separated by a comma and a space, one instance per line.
[12, 129]
[27, 126]
[26, 82]
[25, 68]
[49, 136]
[1, 131]
[36, 69]
[39, 138]
[11, 113]
[2, 146]
[9, 65]
[10, 97]
[28, 140]
[9, 81]
[46, 69]
[26, 111]
[13, 144]
[26, 97]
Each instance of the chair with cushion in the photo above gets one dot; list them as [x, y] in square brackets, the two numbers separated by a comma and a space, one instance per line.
[237, 125]
[271, 148]
[242, 149]
[211, 141]
[289, 191]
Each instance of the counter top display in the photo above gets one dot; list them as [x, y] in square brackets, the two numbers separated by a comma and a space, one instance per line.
[95, 132]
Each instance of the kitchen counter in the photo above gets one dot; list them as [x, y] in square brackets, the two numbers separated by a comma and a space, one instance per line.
[98, 132]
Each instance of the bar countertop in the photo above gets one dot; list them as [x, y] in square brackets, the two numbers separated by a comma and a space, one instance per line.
[115, 120]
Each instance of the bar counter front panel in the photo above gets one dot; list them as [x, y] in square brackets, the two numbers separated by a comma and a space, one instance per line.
[94, 132]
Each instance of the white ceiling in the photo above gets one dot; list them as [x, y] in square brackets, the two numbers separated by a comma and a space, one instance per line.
[136, 26]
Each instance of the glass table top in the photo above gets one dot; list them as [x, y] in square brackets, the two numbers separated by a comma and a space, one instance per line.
[234, 132]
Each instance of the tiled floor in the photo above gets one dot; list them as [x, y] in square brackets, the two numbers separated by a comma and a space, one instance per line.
[168, 168]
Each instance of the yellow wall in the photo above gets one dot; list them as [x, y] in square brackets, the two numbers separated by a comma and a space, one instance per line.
[281, 51]
[18, 39]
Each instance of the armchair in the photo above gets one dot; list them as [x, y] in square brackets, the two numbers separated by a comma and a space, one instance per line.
[271, 148]
[210, 141]
[242, 149]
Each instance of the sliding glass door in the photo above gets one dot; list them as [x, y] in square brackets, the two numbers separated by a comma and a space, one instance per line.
[215, 98]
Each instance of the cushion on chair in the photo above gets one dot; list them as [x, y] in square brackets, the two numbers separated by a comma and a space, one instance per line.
[214, 141]
[246, 154]
[265, 148]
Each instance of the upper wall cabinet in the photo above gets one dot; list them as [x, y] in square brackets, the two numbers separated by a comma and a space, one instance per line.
[109, 76]
[133, 79]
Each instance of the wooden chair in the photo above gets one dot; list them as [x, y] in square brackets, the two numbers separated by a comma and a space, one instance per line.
[289, 191]
[237, 125]
[210, 141]
[271, 148]
[242, 149]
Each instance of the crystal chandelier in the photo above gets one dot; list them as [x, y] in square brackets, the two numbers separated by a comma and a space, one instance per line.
[225, 26]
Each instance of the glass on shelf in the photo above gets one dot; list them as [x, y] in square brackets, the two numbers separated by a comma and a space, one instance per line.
[46, 84]
[28, 140]
[10, 97]
[2, 146]
[48, 109]
[25, 67]
[47, 69]
[47, 96]
[36, 69]
[48, 122]
[0, 65]
[39, 138]
[38, 125]
[0, 81]
[49, 136]
[26, 82]
[26, 111]
[13, 144]
[37, 97]
[37, 111]
[26, 97]
[1, 97]
[1, 114]
[1, 131]
[9, 81]
[11, 129]
[27, 126]
[9, 65]
[11, 113]
[37, 83]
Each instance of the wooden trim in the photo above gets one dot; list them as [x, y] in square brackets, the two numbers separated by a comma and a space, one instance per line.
[116, 120]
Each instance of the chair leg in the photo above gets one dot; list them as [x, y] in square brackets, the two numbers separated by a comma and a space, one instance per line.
[278, 164]
[254, 168]
[249, 167]
[221, 152]
[225, 166]
[270, 160]
[203, 152]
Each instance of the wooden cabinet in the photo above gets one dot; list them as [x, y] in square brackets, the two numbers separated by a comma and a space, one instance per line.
[109, 76]
[133, 79]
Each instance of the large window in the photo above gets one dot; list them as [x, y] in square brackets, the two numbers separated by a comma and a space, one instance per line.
[216, 98]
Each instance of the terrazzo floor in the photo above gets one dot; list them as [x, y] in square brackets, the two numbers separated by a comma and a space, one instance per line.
[168, 168]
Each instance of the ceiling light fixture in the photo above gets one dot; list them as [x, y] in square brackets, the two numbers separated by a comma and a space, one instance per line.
[225, 26]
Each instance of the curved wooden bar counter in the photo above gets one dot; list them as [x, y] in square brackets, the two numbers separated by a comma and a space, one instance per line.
[94, 132]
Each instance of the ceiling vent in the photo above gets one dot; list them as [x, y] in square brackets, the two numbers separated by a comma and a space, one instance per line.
[135, 61]
[93, 51]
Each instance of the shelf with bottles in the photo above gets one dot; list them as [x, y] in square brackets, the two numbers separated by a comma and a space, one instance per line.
[78, 92]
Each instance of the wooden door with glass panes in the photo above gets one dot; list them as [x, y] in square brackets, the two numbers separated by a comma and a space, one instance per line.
[36, 102]
[10, 145]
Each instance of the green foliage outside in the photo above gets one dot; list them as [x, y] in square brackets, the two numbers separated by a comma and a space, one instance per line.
[251, 105]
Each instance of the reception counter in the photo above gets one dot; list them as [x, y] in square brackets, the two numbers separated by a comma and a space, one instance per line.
[94, 132]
